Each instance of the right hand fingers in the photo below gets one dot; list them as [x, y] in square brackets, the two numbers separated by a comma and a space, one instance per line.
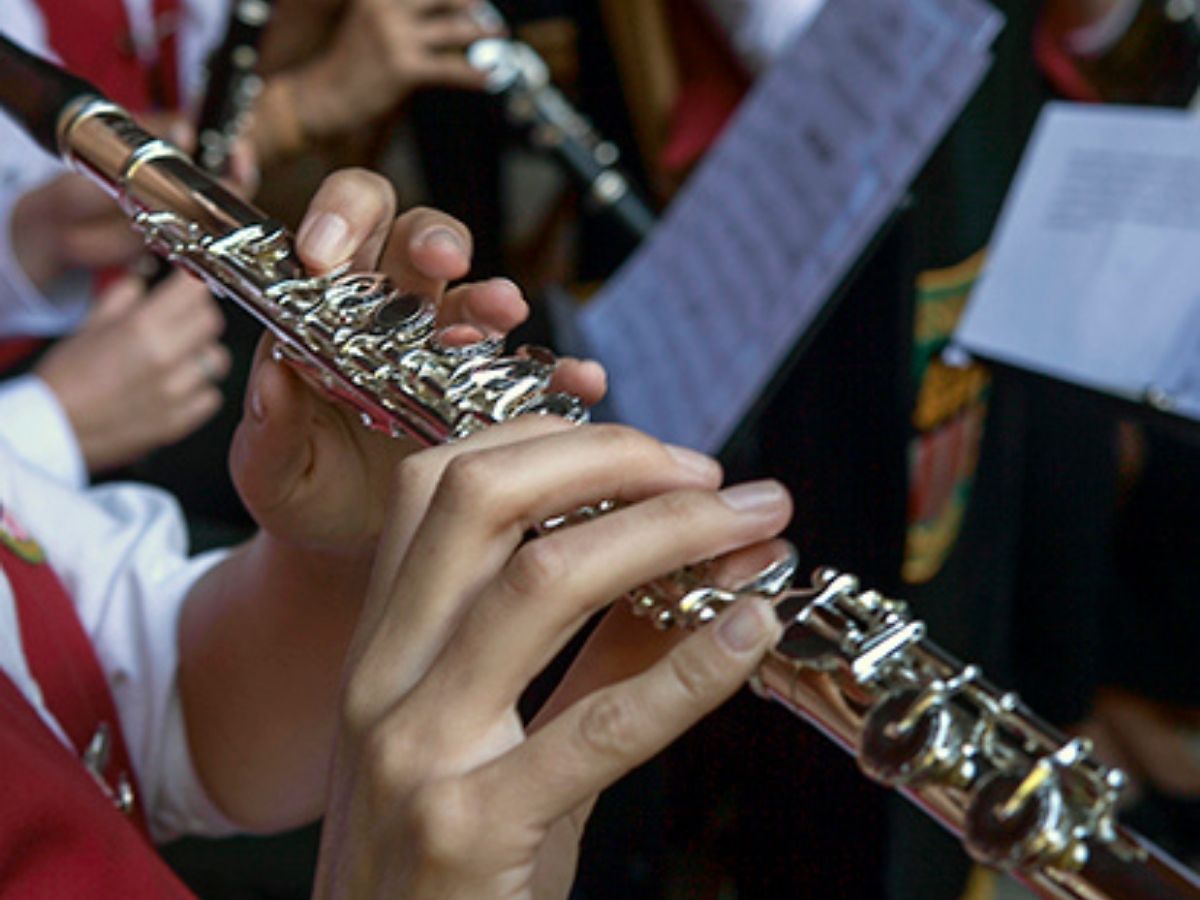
[506, 490]
[607, 733]
[554, 583]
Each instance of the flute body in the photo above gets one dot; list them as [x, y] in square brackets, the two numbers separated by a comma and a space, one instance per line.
[368, 343]
[1020, 795]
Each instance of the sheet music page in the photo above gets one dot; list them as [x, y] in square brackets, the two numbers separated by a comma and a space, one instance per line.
[694, 326]
[1094, 276]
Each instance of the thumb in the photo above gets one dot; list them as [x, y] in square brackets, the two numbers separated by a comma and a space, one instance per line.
[271, 450]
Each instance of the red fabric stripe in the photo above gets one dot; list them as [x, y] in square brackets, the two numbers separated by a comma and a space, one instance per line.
[15, 350]
[167, 14]
[1057, 66]
[59, 836]
[64, 664]
[95, 40]
[712, 84]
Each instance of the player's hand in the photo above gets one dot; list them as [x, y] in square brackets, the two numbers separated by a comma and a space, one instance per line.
[381, 52]
[438, 790]
[308, 470]
[143, 370]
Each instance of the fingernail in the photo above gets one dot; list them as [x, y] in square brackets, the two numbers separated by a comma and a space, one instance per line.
[442, 239]
[693, 461]
[744, 626]
[257, 409]
[754, 496]
[502, 282]
[323, 239]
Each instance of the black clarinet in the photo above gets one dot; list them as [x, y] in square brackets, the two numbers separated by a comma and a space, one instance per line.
[232, 85]
[520, 79]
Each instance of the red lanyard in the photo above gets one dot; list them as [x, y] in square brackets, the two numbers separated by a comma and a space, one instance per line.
[63, 662]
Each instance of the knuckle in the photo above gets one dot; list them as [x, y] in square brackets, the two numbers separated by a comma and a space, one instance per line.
[468, 480]
[537, 566]
[611, 724]
[222, 359]
[620, 437]
[144, 324]
[385, 754]
[624, 443]
[152, 354]
[211, 322]
[680, 506]
[445, 823]
[697, 676]
[416, 472]
[357, 712]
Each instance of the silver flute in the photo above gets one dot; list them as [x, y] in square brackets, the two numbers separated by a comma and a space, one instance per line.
[1022, 796]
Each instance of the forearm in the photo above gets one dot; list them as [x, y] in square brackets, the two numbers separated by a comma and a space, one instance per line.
[262, 639]
[297, 37]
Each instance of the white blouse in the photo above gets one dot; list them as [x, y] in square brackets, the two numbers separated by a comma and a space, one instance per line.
[120, 551]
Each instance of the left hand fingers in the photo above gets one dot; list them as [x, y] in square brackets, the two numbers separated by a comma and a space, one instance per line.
[425, 250]
[584, 378]
[494, 306]
[348, 220]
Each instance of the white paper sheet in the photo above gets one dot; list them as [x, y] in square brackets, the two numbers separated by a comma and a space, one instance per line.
[1094, 276]
[695, 325]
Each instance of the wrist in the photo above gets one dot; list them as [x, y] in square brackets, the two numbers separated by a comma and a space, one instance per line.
[330, 574]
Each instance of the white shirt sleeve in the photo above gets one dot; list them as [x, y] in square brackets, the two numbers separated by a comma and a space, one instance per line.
[120, 551]
[37, 429]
